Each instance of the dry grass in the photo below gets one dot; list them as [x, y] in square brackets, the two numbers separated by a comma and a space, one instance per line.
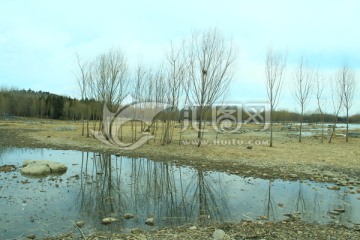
[227, 152]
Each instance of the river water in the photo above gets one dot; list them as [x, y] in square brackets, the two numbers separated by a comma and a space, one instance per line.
[101, 185]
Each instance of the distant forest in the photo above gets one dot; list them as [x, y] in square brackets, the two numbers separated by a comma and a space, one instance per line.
[28, 103]
[45, 105]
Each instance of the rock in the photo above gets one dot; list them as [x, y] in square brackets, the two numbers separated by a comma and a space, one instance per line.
[57, 167]
[42, 167]
[108, 220]
[333, 187]
[136, 231]
[218, 234]
[80, 224]
[128, 216]
[192, 228]
[140, 236]
[329, 174]
[36, 169]
[339, 210]
[149, 221]
[334, 212]
[31, 236]
[292, 216]
[262, 218]
[342, 183]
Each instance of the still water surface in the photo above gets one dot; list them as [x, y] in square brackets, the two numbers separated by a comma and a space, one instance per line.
[101, 185]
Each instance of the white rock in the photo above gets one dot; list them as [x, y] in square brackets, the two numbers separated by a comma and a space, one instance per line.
[57, 167]
[80, 224]
[42, 167]
[36, 169]
[149, 221]
[108, 220]
[192, 228]
[218, 234]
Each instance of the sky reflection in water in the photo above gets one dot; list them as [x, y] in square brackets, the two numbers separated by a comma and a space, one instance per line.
[100, 185]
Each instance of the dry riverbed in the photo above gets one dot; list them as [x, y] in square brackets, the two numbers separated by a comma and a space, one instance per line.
[246, 153]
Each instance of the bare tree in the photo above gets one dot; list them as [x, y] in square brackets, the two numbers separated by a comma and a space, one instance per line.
[347, 84]
[211, 59]
[149, 92]
[274, 69]
[337, 98]
[111, 78]
[142, 92]
[319, 81]
[83, 79]
[301, 89]
[175, 76]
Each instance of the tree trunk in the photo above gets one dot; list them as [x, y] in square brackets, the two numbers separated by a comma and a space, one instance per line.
[347, 125]
[271, 128]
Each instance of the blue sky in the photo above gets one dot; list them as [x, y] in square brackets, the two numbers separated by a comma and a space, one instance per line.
[39, 38]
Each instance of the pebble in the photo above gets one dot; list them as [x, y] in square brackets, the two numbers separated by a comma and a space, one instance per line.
[262, 218]
[128, 216]
[149, 221]
[31, 236]
[80, 224]
[136, 231]
[334, 212]
[108, 220]
[333, 187]
[218, 234]
[339, 210]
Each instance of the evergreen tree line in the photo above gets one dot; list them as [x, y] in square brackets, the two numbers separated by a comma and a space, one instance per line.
[45, 105]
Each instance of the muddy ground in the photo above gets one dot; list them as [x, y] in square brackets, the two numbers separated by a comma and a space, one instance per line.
[245, 153]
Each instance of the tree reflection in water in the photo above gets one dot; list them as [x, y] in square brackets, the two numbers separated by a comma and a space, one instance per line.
[113, 186]
[104, 186]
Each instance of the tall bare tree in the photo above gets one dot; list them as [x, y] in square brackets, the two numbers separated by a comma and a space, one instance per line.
[174, 82]
[83, 79]
[337, 98]
[347, 84]
[301, 88]
[111, 78]
[320, 86]
[211, 61]
[274, 69]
